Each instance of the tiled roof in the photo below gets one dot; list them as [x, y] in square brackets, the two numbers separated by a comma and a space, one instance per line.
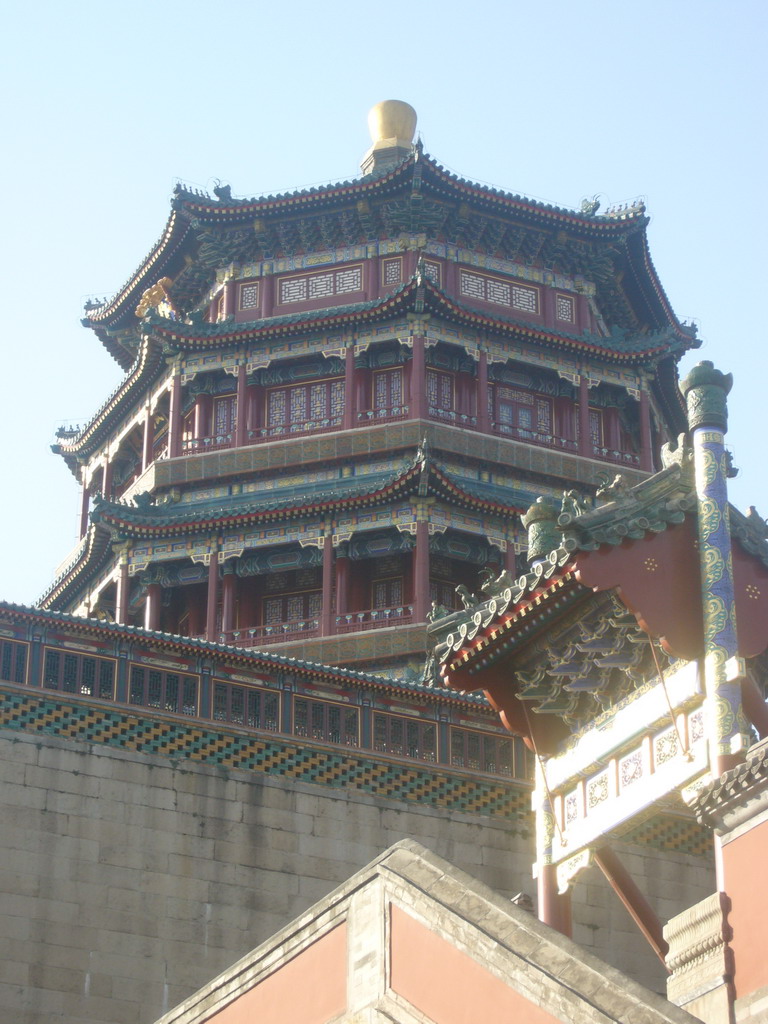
[259, 660]
[420, 472]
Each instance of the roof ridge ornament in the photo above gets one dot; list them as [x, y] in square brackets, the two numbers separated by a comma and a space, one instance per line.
[392, 124]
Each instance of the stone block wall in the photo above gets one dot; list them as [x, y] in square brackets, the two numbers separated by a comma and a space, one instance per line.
[128, 880]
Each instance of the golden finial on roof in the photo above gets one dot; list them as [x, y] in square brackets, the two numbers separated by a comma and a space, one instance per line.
[392, 124]
[392, 121]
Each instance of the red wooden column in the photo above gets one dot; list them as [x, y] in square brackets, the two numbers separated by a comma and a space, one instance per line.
[554, 908]
[267, 286]
[342, 582]
[106, 480]
[646, 442]
[483, 418]
[149, 440]
[85, 502]
[196, 619]
[585, 434]
[350, 412]
[421, 572]
[152, 606]
[241, 412]
[326, 612]
[202, 415]
[174, 418]
[418, 379]
[228, 600]
[510, 558]
[229, 299]
[121, 597]
[211, 633]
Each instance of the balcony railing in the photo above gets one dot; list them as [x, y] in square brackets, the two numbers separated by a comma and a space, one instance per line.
[259, 434]
[390, 414]
[612, 455]
[457, 419]
[374, 618]
[384, 414]
[207, 444]
[279, 632]
[535, 437]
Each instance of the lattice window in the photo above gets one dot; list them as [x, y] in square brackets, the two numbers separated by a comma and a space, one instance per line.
[565, 308]
[13, 661]
[79, 673]
[224, 415]
[276, 406]
[387, 391]
[350, 280]
[320, 286]
[543, 416]
[166, 691]
[293, 289]
[472, 285]
[439, 391]
[444, 594]
[499, 292]
[522, 413]
[298, 406]
[392, 271]
[306, 406]
[301, 610]
[432, 271]
[387, 593]
[273, 611]
[337, 401]
[311, 287]
[329, 723]
[249, 296]
[241, 705]
[484, 752]
[596, 427]
[277, 581]
[404, 737]
[526, 299]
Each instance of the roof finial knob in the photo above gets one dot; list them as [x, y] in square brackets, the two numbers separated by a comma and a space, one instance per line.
[392, 124]
[392, 121]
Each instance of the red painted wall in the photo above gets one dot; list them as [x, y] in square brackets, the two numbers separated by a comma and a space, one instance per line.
[310, 989]
[447, 985]
[743, 861]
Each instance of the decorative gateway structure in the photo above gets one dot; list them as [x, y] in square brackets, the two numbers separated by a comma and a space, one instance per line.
[632, 659]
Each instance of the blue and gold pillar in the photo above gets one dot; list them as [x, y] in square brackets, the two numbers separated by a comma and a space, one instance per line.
[705, 390]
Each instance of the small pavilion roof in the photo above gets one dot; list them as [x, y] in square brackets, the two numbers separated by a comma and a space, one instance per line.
[562, 629]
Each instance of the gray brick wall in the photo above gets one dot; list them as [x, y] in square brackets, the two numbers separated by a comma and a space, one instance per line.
[128, 881]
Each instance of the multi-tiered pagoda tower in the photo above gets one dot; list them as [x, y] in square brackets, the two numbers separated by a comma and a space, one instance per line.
[338, 401]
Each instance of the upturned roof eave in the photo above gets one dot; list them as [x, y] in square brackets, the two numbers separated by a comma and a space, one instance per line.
[128, 521]
[419, 296]
[188, 206]
[90, 557]
[152, 267]
[144, 371]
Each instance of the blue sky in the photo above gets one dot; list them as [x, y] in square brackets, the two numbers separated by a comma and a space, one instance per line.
[108, 105]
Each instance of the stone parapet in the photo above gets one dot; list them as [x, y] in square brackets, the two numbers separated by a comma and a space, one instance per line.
[700, 960]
